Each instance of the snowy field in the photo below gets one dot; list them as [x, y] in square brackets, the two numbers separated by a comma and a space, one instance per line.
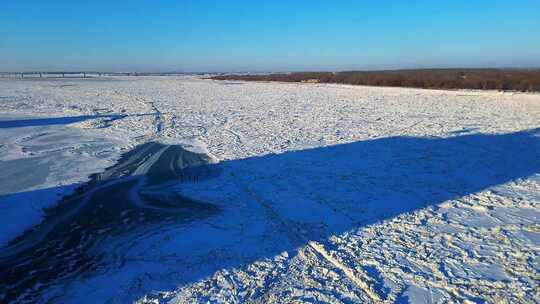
[316, 193]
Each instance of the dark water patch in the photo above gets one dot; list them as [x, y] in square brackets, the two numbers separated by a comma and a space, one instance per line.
[141, 190]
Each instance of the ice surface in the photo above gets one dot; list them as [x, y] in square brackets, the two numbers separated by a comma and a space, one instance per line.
[327, 193]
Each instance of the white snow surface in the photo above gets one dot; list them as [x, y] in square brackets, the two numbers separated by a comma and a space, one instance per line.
[327, 193]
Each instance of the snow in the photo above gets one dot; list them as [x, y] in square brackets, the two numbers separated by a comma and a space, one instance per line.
[327, 193]
[58, 158]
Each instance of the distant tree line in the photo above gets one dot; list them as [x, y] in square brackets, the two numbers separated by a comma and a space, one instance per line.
[524, 80]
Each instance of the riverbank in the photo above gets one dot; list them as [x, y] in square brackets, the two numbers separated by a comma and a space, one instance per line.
[519, 80]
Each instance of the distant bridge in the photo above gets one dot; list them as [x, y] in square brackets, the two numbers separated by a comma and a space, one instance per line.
[55, 74]
[79, 74]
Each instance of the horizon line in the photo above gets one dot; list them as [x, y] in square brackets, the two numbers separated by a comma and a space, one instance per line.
[232, 71]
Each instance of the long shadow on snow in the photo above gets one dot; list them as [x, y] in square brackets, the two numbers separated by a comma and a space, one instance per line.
[309, 195]
[36, 122]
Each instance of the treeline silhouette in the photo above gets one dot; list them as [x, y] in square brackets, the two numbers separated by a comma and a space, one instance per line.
[524, 80]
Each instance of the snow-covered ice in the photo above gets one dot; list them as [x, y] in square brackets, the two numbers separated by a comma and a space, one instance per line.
[325, 193]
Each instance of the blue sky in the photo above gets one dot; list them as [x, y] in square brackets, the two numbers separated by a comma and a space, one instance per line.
[277, 35]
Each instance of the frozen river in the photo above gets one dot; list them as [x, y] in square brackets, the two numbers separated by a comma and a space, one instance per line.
[179, 189]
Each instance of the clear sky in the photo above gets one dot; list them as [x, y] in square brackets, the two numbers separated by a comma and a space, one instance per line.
[267, 35]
